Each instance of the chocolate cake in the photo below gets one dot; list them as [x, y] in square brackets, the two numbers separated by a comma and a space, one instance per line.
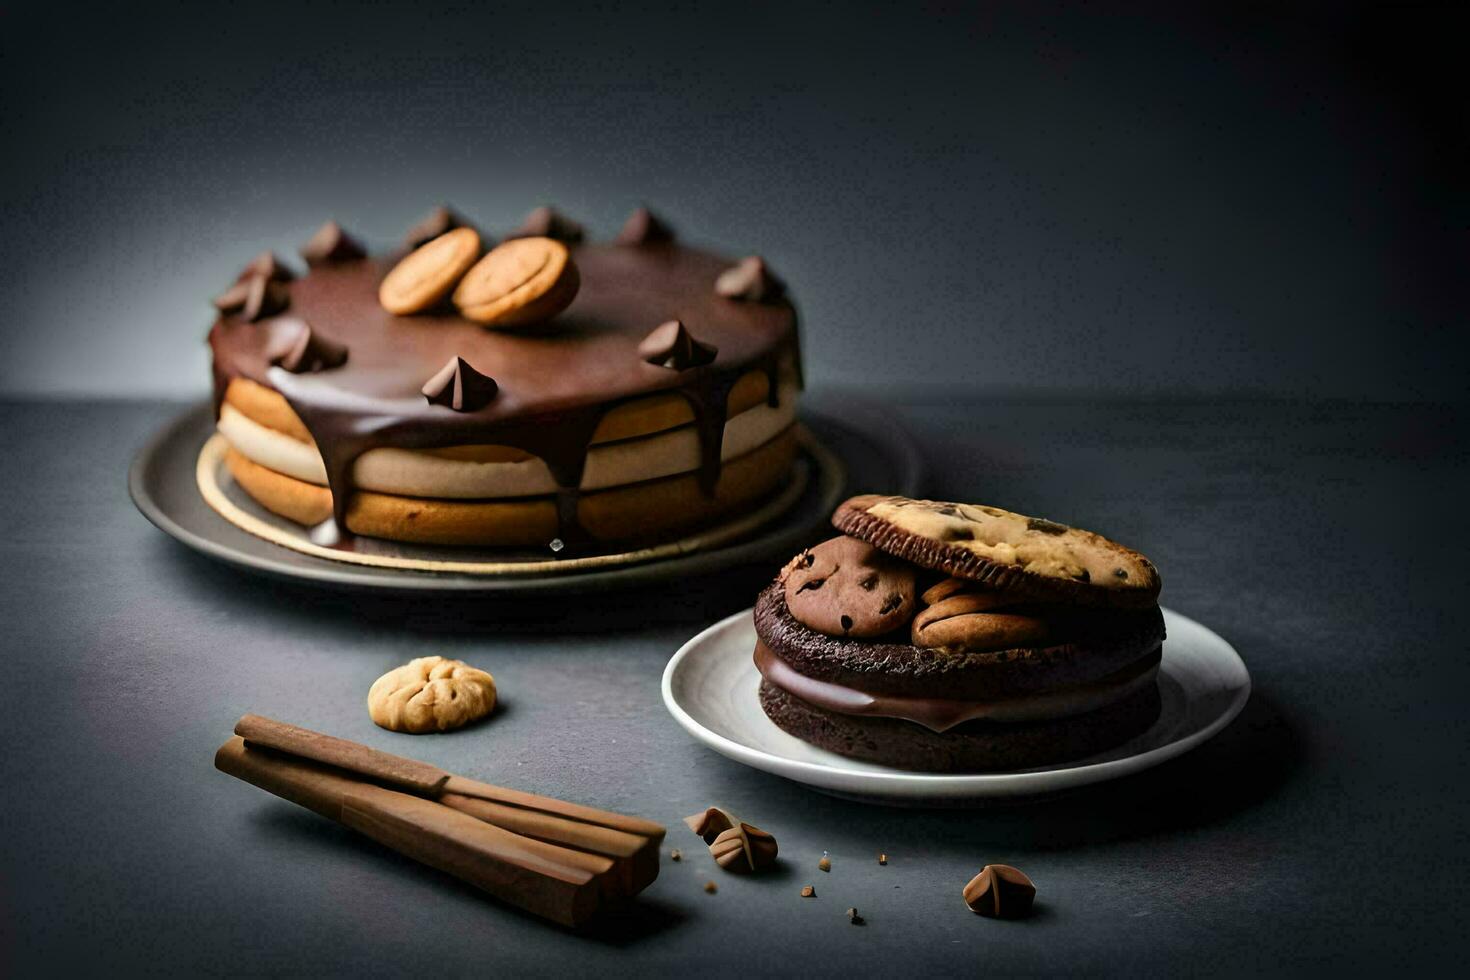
[949, 637]
[548, 392]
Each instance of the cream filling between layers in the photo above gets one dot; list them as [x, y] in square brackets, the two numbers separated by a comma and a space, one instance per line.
[411, 473]
[942, 714]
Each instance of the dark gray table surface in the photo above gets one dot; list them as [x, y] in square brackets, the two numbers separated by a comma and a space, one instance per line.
[1324, 828]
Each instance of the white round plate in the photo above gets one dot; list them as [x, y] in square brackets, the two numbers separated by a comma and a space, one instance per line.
[709, 687]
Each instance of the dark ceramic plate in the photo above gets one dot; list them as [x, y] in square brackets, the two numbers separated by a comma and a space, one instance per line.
[877, 454]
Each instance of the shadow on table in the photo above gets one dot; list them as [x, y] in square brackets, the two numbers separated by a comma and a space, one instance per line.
[700, 600]
[1246, 764]
[617, 926]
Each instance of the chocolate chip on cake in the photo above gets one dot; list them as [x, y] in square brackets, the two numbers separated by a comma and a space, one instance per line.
[331, 244]
[545, 222]
[1000, 891]
[232, 299]
[304, 351]
[644, 227]
[266, 264]
[264, 297]
[259, 290]
[846, 587]
[459, 386]
[671, 345]
[432, 225]
[750, 280]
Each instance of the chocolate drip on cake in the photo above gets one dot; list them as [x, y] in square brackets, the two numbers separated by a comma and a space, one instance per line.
[556, 383]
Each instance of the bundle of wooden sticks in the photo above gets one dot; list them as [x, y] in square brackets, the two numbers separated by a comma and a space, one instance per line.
[555, 859]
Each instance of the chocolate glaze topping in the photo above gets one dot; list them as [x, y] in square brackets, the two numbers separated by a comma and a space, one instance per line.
[555, 383]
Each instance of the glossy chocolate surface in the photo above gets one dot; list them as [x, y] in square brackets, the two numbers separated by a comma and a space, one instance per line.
[556, 380]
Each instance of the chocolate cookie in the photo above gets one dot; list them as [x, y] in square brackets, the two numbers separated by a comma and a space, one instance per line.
[1006, 551]
[1085, 645]
[846, 587]
[973, 746]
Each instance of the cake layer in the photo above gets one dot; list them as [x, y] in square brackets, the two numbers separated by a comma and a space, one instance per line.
[629, 420]
[940, 713]
[1087, 645]
[635, 512]
[426, 473]
[972, 747]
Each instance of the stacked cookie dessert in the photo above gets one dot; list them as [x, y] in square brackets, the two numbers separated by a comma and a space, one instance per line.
[542, 392]
[950, 637]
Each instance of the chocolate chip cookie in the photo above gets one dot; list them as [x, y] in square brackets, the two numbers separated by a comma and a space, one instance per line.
[1007, 551]
[846, 587]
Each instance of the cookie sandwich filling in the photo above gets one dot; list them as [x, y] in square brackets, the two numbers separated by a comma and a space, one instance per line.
[942, 714]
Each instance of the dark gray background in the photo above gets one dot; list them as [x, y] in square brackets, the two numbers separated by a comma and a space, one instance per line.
[997, 199]
[1195, 279]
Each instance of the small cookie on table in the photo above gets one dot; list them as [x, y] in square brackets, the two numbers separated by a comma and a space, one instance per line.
[431, 694]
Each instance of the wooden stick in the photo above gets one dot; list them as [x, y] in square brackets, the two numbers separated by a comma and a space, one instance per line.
[412, 775]
[431, 781]
[634, 858]
[557, 883]
[560, 808]
[621, 851]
